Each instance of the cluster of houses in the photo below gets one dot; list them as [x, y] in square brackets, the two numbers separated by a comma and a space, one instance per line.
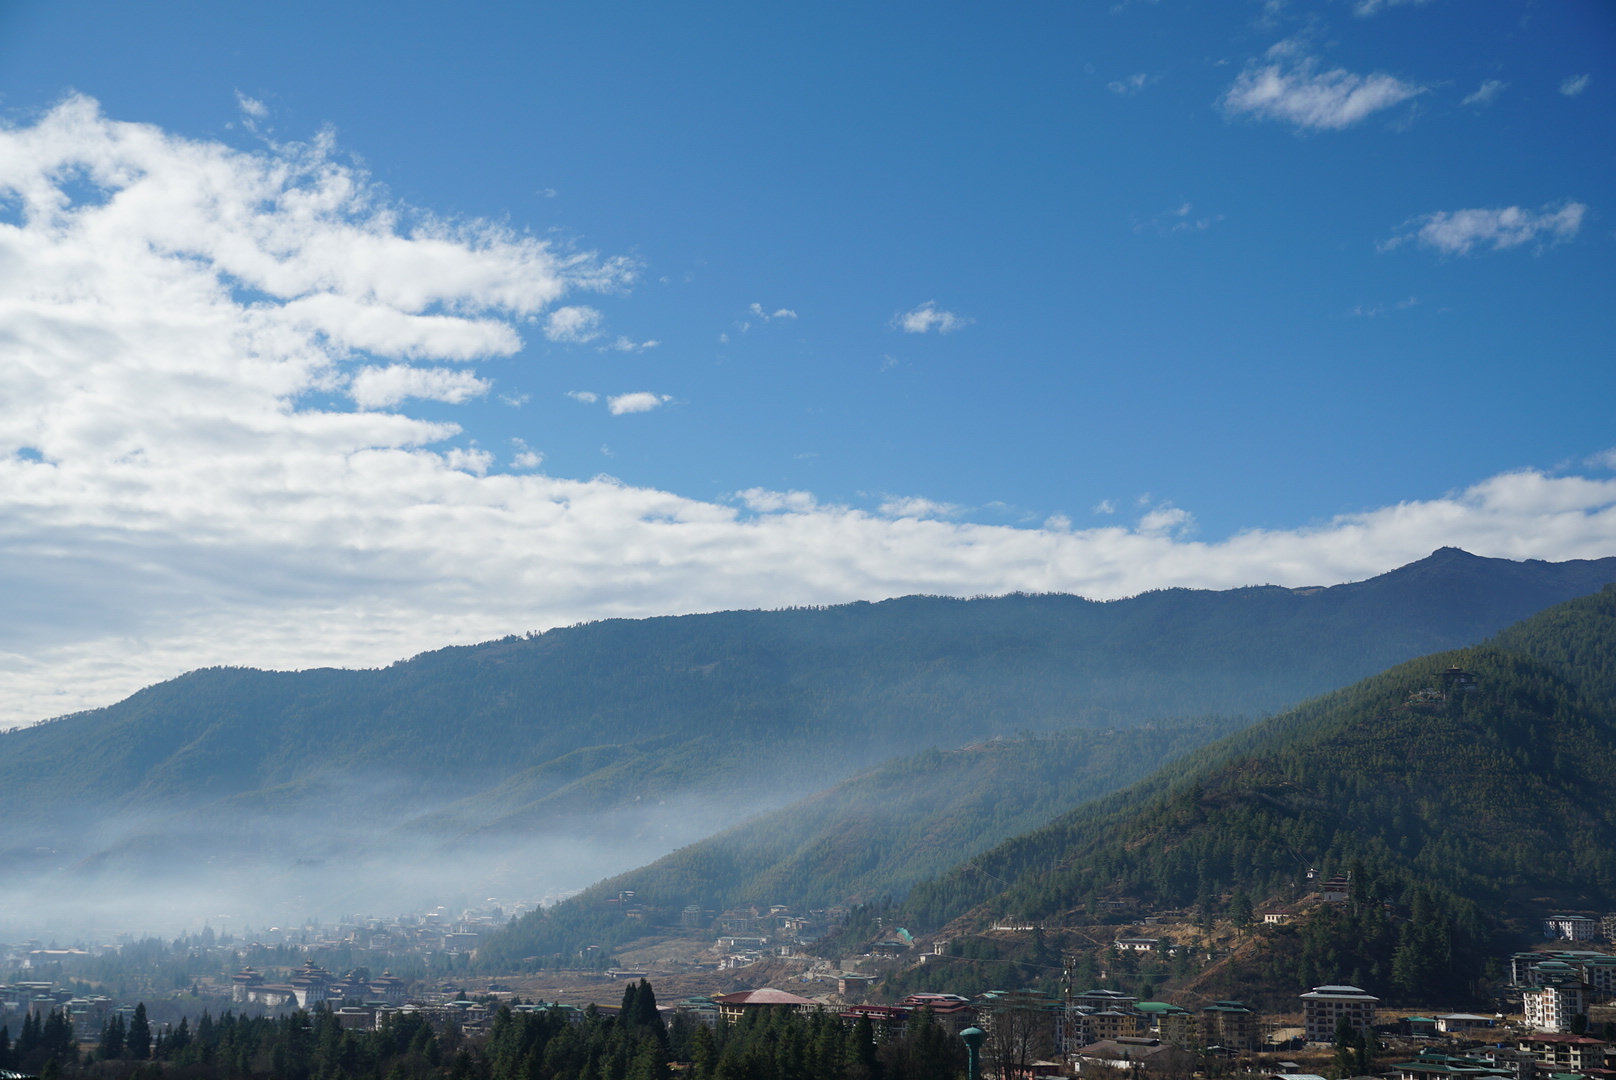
[312, 985]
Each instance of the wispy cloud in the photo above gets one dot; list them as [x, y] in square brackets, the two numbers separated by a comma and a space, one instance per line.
[778, 313]
[1459, 232]
[639, 401]
[1180, 219]
[1365, 8]
[1370, 311]
[623, 344]
[916, 507]
[573, 325]
[176, 490]
[588, 397]
[763, 501]
[1131, 85]
[251, 107]
[1572, 85]
[928, 317]
[1290, 87]
[1485, 93]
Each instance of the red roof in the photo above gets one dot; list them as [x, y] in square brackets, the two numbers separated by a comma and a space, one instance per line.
[766, 996]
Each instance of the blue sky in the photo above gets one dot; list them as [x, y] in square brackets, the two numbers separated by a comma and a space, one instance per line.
[850, 162]
[1184, 270]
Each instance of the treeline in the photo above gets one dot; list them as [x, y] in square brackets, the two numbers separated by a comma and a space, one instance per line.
[633, 1044]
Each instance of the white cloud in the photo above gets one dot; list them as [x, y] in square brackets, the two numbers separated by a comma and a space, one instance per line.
[1131, 85]
[927, 317]
[1167, 520]
[764, 501]
[1572, 85]
[1485, 93]
[473, 461]
[380, 387]
[588, 397]
[174, 494]
[1105, 506]
[623, 344]
[1291, 88]
[1458, 232]
[759, 311]
[251, 107]
[525, 457]
[640, 401]
[573, 325]
[915, 507]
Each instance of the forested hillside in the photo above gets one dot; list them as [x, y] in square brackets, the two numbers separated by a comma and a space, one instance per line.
[1471, 807]
[868, 837]
[625, 739]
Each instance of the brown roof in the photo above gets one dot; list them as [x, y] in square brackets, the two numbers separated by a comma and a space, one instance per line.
[766, 996]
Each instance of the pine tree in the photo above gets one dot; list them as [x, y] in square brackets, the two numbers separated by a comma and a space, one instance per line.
[139, 1039]
[112, 1039]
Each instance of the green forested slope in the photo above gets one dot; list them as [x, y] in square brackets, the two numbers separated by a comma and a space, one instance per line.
[670, 727]
[1475, 813]
[868, 837]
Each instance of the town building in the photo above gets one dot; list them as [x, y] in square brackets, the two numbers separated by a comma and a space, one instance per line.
[1564, 1053]
[1570, 927]
[1434, 1065]
[1462, 1023]
[1324, 1006]
[1108, 1024]
[733, 1006]
[1550, 1008]
[1232, 1024]
[1133, 1056]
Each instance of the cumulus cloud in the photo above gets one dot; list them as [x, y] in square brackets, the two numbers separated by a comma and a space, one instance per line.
[175, 492]
[640, 401]
[574, 324]
[588, 397]
[1290, 87]
[1572, 85]
[927, 317]
[380, 387]
[525, 457]
[1485, 93]
[1458, 232]
[779, 313]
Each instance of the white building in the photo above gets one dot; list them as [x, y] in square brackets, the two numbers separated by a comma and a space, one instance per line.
[1324, 1006]
[1570, 927]
[1550, 1008]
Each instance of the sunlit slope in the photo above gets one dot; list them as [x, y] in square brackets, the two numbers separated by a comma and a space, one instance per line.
[1479, 807]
